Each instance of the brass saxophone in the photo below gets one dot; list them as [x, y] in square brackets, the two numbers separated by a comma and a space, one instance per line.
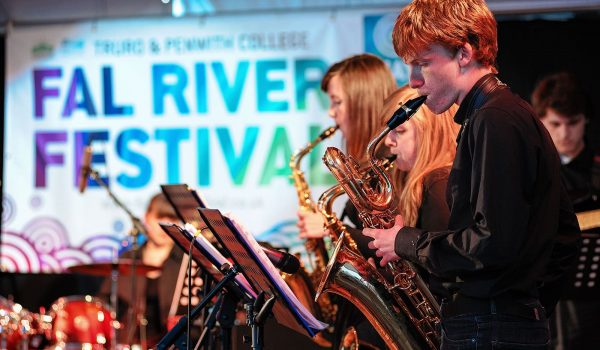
[316, 249]
[351, 276]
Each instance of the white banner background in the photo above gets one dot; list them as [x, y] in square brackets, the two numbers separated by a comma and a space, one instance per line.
[216, 103]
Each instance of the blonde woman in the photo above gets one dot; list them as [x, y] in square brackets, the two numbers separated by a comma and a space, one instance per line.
[356, 87]
[425, 147]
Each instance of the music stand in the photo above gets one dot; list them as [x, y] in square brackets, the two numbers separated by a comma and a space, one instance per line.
[262, 275]
[584, 282]
[185, 201]
[207, 257]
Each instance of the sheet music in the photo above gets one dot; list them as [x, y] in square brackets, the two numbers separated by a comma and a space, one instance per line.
[207, 261]
[276, 277]
[212, 251]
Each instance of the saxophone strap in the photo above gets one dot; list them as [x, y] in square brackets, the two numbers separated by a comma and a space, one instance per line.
[476, 98]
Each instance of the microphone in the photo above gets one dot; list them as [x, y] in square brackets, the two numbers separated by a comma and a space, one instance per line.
[84, 173]
[283, 261]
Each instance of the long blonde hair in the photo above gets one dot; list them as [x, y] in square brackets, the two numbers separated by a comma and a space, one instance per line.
[367, 81]
[436, 148]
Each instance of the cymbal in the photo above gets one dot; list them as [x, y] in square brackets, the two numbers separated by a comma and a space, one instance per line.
[125, 267]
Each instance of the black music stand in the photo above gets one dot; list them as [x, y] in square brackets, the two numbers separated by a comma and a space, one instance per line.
[185, 200]
[264, 278]
[224, 309]
[584, 281]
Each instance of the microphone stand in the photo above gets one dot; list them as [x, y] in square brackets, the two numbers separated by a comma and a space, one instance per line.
[256, 316]
[136, 229]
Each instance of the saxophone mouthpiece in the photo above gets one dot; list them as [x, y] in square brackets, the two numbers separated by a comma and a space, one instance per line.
[405, 111]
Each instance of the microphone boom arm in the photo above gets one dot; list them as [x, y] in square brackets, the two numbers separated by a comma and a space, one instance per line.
[138, 226]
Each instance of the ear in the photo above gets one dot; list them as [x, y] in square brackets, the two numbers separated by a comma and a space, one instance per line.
[465, 55]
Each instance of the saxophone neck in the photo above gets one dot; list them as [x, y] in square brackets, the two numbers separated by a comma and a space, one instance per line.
[325, 203]
[299, 154]
[300, 183]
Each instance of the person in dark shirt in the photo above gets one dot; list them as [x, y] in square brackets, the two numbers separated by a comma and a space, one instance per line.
[563, 108]
[512, 233]
[155, 291]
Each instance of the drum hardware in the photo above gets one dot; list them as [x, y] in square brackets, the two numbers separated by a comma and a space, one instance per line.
[123, 267]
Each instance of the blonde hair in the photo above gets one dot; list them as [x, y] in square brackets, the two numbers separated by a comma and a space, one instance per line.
[436, 148]
[366, 81]
[450, 23]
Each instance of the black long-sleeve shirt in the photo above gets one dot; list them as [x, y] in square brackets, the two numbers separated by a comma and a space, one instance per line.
[433, 215]
[512, 231]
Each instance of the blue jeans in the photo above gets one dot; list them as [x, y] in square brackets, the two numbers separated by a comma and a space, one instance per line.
[494, 331]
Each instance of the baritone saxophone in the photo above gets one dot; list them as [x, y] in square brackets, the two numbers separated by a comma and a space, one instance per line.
[396, 306]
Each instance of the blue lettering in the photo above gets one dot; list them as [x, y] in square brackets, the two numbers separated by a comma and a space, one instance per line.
[161, 88]
[136, 159]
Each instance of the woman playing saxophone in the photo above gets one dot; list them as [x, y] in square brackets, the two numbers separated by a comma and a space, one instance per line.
[357, 87]
[424, 149]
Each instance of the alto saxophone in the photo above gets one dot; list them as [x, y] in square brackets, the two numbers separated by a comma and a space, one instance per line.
[351, 276]
[316, 249]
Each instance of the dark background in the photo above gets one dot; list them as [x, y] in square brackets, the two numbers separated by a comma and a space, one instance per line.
[531, 49]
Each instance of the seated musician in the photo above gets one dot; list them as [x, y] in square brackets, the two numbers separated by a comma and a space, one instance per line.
[154, 290]
[561, 105]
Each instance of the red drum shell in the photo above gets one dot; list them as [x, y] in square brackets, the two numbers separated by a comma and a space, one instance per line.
[81, 320]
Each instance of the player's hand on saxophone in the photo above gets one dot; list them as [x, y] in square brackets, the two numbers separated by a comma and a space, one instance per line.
[384, 240]
[311, 224]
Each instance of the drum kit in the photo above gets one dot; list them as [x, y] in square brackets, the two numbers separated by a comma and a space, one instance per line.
[80, 322]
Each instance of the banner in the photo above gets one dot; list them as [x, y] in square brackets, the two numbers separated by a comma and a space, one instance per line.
[217, 103]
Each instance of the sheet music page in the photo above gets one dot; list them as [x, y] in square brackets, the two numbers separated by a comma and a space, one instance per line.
[210, 249]
[272, 270]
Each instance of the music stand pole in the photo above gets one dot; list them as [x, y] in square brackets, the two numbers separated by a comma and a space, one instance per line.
[211, 320]
[172, 336]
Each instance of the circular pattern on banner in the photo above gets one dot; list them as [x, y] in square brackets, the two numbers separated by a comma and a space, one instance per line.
[282, 234]
[71, 256]
[35, 202]
[118, 226]
[17, 254]
[46, 234]
[382, 35]
[101, 247]
[8, 209]
[50, 264]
